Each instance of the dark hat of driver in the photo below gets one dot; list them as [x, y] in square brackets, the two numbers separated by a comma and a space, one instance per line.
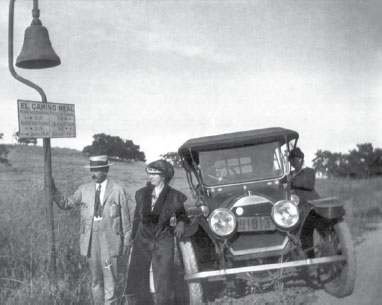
[296, 153]
[99, 162]
[161, 167]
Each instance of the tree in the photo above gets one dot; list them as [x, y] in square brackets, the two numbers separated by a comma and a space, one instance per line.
[361, 159]
[320, 162]
[362, 162]
[115, 147]
[173, 158]
[4, 156]
[376, 163]
[24, 141]
[327, 163]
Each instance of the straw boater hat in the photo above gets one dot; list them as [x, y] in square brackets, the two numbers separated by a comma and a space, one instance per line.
[98, 162]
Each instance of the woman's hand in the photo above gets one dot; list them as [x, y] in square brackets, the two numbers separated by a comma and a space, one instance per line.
[179, 229]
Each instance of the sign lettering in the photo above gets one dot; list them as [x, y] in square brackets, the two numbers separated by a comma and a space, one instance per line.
[46, 120]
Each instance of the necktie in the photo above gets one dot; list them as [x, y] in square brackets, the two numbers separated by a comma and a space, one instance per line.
[97, 202]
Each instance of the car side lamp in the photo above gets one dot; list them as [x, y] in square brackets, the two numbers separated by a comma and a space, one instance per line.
[295, 199]
[201, 210]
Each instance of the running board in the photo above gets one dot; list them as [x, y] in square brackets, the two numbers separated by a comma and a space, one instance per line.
[299, 263]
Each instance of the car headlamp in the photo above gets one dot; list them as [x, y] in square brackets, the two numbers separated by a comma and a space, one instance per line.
[285, 214]
[222, 222]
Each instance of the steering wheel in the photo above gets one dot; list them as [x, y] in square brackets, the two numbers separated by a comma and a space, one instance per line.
[214, 170]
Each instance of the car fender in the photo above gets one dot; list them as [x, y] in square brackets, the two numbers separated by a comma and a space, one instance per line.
[328, 208]
[195, 219]
[314, 211]
[206, 227]
[191, 227]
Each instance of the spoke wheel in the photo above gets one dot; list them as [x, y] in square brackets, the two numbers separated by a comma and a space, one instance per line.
[194, 292]
[337, 278]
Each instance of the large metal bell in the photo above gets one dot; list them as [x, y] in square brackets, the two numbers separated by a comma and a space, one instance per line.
[37, 51]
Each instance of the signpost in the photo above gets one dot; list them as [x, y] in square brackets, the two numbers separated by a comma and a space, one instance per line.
[38, 53]
[46, 120]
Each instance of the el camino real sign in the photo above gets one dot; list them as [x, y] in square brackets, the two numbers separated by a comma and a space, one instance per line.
[46, 120]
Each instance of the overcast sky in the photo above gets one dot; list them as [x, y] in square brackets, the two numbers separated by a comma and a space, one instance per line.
[161, 72]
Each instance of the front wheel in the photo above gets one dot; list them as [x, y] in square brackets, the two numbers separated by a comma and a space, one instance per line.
[337, 278]
[190, 266]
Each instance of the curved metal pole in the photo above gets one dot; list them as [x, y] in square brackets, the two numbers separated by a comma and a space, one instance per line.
[10, 55]
[36, 13]
[46, 148]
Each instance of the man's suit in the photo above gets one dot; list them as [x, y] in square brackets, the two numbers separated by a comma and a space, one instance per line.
[102, 240]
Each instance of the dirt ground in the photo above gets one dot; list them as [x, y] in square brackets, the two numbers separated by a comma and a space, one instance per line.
[368, 284]
[367, 290]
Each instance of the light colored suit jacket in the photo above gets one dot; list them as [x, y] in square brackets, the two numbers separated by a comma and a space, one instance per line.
[117, 215]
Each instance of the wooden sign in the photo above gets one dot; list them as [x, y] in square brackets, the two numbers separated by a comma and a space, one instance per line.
[46, 120]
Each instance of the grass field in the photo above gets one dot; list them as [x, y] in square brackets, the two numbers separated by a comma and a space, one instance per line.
[23, 234]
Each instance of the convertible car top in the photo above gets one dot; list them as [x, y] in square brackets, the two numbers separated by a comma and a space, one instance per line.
[257, 136]
[235, 139]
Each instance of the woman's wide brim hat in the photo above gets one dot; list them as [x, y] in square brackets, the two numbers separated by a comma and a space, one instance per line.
[98, 162]
[160, 167]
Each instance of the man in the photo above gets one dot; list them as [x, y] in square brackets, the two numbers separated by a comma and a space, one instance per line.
[105, 230]
[303, 178]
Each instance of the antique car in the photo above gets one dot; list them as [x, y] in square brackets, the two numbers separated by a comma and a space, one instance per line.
[247, 226]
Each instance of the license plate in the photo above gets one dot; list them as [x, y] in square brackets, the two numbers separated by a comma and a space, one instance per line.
[256, 223]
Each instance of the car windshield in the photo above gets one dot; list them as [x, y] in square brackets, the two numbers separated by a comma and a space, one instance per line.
[241, 164]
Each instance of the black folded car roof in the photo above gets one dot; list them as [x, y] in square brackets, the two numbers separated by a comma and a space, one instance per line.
[240, 138]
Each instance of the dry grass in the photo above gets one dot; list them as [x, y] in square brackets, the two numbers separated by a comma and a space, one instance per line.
[23, 232]
[362, 199]
[23, 235]
[23, 229]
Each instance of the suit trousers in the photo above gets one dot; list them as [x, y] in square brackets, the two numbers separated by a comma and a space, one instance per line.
[103, 268]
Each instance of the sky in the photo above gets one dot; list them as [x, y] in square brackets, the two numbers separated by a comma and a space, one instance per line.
[162, 72]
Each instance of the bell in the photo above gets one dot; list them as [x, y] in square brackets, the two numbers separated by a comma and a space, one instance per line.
[37, 51]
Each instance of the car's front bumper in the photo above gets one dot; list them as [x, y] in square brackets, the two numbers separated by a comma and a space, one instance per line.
[257, 268]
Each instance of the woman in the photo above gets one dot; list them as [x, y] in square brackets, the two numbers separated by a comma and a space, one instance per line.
[159, 215]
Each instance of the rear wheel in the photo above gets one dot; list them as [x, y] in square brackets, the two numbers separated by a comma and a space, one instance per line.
[337, 278]
[194, 295]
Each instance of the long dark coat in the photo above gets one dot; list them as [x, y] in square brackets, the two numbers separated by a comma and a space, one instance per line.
[154, 243]
[303, 184]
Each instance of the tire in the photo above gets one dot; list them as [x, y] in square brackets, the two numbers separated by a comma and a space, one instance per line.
[337, 278]
[190, 266]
